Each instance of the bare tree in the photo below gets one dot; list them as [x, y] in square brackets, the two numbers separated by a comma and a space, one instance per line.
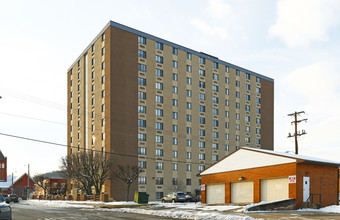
[128, 174]
[41, 181]
[177, 186]
[88, 168]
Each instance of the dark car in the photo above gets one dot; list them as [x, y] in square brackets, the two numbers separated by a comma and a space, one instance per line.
[174, 197]
[12, 198]
[190, 197]
[5, 209]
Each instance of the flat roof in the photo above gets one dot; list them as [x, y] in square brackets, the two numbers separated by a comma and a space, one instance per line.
[146, 35]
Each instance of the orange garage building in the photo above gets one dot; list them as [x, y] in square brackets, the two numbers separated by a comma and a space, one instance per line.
[252, 175]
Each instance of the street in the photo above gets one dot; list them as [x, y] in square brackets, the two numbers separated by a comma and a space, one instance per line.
[29, 212]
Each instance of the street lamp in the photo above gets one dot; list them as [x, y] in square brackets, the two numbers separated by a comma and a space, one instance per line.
[28, 180]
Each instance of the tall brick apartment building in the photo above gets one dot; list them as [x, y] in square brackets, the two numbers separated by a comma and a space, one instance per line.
[171, 110]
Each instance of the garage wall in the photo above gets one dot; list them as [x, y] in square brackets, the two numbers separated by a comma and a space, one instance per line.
[255, 175]
[323, 179]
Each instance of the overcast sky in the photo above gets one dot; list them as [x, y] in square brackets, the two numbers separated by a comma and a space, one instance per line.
[295, 42]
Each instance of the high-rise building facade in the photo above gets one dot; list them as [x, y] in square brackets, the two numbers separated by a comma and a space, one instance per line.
[169, 109]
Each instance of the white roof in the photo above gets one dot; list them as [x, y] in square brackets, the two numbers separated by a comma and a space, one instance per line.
[8, 183]
[248, 158]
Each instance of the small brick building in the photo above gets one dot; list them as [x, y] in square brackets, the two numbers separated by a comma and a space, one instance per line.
[3, 168]
[252, 175]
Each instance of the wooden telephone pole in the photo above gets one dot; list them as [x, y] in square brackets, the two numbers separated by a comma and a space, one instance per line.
[297, 133]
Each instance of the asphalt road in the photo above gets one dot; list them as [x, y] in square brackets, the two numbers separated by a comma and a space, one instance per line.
[28, 212]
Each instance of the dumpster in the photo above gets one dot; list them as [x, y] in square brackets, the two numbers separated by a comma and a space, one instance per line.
[141, 198]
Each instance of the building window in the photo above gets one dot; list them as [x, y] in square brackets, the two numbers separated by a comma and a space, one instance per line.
[188, 182]
[258, 79]
[227, 114]
[141, 81]
[174, 102]
[237, 72]
[201, 156]
[215, 65]
[247, 86]
[247, 139]
[237, 104]
[237, 94]
[142, 109]
[159, 139]
[258, 141]
[189, 56]
[141, 123]
[174, 181]
[201, 144]
[247, 129]
[258, 100]
[247, 76]
[174, 64]
[202, 60]
[175, 128]
[174, 51]
[201, 108]
[227, 69]
[189, 93]
[141, 137]
[174, 166]
[247, 97]
[188, 155]
[214, 157]
[159, 152]
[141, 95]
[159, 85]
[227, 136]
[201, 72]
[103, 51]
[103, 107]
[215, 111]
[201, 96]
[201, 168]
[159, 46]
[159, 59]
[103, 79]
[159, 126]
[159, 99]
[258, 90]
[159, 112]
[159, 72]
[215, 76]
[258, 131]
[175, 89]
[159, 195]
[103, 65]
[175, 77]
[159, 166]
[215, 88]
[103, 93]
[188, 105]
[189, 68]
[141, 67]
[174, 141]
[188, 80]
[92, 48]
[188, 118]
[258, 121]
[142, 164]
[227, 147]
[189, 131]
[215, 146]
[142, 53]
[237, 116]
[188, 167]
[227, 80]
[188, 143]
[201, 84]
[141, 150]
[237, 83]
[202, 120]
[174, 115]
[159, 180]
[247, 108]
[215, 123]
[141, 40]
[103, 37]
[141, 180]
[215, 134]
[201, 132]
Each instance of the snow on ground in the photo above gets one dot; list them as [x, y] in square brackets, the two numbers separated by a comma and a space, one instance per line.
[196, 211]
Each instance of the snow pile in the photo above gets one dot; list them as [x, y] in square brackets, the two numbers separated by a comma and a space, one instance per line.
[182, 214]
[60, 204]
[328, 209]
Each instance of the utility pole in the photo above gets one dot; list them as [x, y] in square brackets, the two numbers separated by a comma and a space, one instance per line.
[297, 133]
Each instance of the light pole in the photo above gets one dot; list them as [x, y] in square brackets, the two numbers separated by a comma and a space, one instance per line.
[28, 180]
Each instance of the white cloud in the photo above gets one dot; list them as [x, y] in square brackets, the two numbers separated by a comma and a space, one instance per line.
[209, 30]
[300, 22]
[218, 9]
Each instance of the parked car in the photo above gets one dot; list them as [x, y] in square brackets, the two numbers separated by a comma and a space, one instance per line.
[12, 198]
[190, 198]
[5, 209]
[174, 197]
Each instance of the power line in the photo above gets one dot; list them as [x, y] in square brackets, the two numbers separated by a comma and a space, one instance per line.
[99, 151]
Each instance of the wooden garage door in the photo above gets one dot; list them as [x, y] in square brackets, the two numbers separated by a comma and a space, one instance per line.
[274, 189]
[242, 192]
[215, 193]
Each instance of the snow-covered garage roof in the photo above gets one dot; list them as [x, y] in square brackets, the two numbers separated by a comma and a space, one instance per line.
[247, 158]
